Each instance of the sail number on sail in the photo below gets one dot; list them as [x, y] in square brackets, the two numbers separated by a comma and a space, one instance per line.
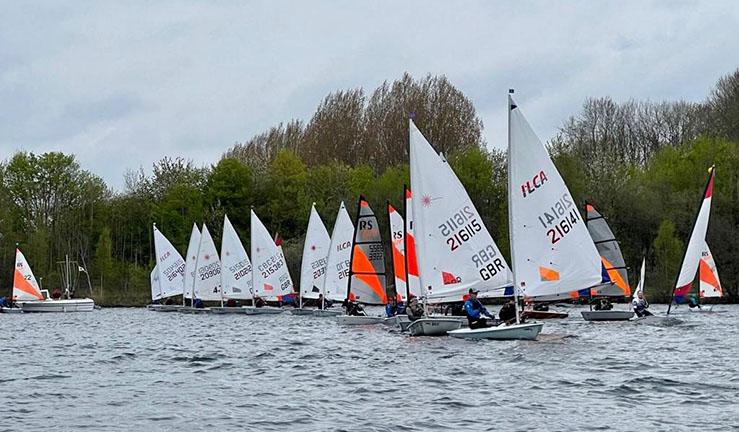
[240, 269]
[175, 269]
[319, 267]
[459, 228]
[560, 218]
[488, 264]
[210, 270]
[270, 265]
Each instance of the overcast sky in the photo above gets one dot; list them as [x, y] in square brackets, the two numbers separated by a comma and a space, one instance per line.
[123, 84]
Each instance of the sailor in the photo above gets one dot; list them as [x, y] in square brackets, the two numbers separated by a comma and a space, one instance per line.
[475, 311]
[198, 304]
[352, 308]
[640, 305]
[455, 309]
[693, 301]
[259, 302]
[393, 308]
[604, 304]
[507, 313]
[323, 303]
[414, 310]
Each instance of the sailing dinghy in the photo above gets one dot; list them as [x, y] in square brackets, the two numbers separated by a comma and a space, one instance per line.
[270, 277]
[551, 249]
[315, 258]
[336, 282]
[169, 280]
[698, 256]
[30, 298]
[367, 281]
[235, 270]
[207, 281]
[617, 284]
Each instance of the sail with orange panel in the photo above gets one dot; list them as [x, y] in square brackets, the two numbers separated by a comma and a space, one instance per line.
[367, 280]
[25, 286]
[610, 255]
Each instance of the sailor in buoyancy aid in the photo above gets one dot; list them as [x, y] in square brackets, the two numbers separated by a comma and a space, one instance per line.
[475, 311]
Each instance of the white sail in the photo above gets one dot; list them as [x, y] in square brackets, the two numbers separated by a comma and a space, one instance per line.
[696, 244]
[710, 284]
[236, 277]
[410, 243]
[337, 269]
[191, 261]
[271, 277]
[551, 249]
[397, 238]
[207, 269]
[640, 286]
[156, 291]
[315, 256]
[454, 249]
[25, 286]
[170, 266]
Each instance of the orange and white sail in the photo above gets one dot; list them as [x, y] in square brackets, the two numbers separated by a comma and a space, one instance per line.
[25, 286]
[410, 244]
[367, 281]
[696, 245]
[397, 237]
[710, 285]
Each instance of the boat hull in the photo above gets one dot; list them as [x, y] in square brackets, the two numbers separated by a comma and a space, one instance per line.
[401, 321]
[544, 315]
[251, 310]
[326, 313]
[71, 305]
[512, 332]
[358, 320]
[433, 326]
[189, 310]
[301, 311]
[11, 310]
[164, 308]
[226, 310]
[609, 315]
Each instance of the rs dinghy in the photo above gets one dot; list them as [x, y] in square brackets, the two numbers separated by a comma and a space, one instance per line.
[697, 258]
[315, 256]
[367, 280]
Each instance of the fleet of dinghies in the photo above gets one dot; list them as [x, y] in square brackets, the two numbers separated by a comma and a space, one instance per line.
[441, 250]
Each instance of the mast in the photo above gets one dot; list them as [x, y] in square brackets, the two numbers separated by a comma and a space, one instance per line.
[687, 244]
[405, 244]
[251, 247]
[511, 107]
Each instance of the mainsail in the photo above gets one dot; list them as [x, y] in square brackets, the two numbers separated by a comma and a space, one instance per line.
[315, 257]
[25, 286]
[397, 238]
[410, 245]
[191, 261]
[610, 254]
[454, 249]
[367, 281]
[551, 249]
[696, 245]
[207, 269]
[170, 266]
[710, 285]
[271, 277]
[236, 267]
[156, 291]
[337, 269]
[640, 285]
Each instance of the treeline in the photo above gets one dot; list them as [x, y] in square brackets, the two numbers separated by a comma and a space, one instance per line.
[643, 164]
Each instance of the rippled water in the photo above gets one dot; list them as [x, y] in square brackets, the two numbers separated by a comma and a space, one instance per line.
[127, 369]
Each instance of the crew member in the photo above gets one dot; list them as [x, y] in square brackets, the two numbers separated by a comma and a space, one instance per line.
[475, 311]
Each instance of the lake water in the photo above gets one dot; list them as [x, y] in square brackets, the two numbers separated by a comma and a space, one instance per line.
[133, 369]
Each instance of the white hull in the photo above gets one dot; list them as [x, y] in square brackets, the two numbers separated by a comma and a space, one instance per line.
[358, 320]
[609, 315]
[301, 311]
[226, 310]
[401, 321]
[71, 305]
[512, 332]
[251, 310]
[326, 312]
[701, 309]
[11, 310]
[433, 326]
[164, 308]
[189, 310]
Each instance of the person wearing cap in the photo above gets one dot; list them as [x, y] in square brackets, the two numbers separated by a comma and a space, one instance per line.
[414, 310]
[475, 311]
[393, 307]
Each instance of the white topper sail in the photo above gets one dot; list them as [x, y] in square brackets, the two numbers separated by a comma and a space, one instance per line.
[207, 269]
[170, 266]
[410, 244]
[696, 245]
[710, 285]
[454, 249]
[191, 260]
[25, 286]
[551, 249]
[271, 276]
[156, 292]
[315, 256]
[236, 277]
[337, 269]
